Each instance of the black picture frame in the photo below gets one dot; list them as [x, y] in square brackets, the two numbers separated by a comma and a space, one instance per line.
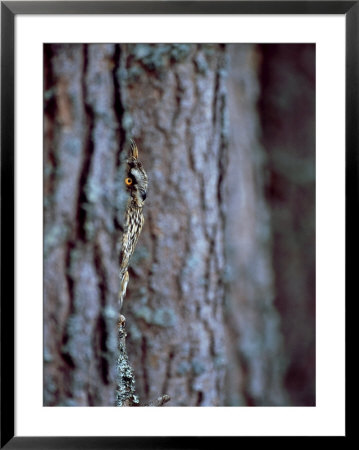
[9, 9]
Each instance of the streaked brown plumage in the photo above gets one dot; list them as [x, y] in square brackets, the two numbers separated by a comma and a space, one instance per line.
[136, 182]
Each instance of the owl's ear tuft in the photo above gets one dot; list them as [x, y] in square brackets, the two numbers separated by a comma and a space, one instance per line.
[133, 149]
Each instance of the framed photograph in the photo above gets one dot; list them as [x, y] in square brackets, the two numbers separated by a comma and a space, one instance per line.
[176, 181]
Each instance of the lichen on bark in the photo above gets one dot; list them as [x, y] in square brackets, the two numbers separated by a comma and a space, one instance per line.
[126, 384]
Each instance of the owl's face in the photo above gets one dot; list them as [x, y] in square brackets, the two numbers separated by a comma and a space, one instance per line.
[136, 181]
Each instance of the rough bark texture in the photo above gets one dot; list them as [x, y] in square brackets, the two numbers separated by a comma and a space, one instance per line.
[220, 302]
[257, 362]
[80, 233]
[171, 99]
[174, 102]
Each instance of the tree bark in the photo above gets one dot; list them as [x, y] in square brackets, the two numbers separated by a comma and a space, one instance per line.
[223, 271]
[80, 234]
[257, 360]
[174, 102]
[171, 99]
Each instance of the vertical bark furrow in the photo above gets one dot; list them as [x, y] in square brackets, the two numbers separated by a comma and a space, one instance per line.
[66, 355]
[174, 110]
[84, 335]
[118, 106]
[64, 146]
[100, 328]
[50, 111]
[87, 154]
[200, 301]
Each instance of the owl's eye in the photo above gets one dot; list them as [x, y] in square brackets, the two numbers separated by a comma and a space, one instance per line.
[128, 181]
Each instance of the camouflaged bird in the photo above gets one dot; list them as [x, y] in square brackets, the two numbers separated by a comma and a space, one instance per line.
[136, 183]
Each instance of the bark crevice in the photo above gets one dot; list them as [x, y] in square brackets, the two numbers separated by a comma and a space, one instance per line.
[88, 151]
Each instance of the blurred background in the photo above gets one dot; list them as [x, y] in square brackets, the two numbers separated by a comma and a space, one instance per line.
[220, 306]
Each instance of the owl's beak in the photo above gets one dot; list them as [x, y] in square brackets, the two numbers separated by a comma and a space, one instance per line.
[143, 195]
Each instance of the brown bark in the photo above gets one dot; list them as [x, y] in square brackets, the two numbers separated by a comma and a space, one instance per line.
[171, 99]
[80, 262]
[174, 101]
[257, 362]
[212, 291]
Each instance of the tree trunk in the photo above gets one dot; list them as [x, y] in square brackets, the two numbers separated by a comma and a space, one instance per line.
[174, 102]
[171, 99]
[80, 232]
[287, 111]
[257, 362]
[224, 267]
